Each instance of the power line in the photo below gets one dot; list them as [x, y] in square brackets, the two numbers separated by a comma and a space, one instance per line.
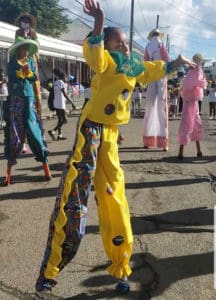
[106, 18]
[77, 15]
[191, 16]
[140, 34]
[143, 15]
[123, 9]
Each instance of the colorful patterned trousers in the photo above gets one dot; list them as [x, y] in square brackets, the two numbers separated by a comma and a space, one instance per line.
[95, 156]
[22, 121]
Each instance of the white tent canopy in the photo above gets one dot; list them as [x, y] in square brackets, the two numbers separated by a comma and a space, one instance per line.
[48, 46]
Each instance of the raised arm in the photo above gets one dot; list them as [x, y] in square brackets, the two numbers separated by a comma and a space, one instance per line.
[93, 9]
[181, 60]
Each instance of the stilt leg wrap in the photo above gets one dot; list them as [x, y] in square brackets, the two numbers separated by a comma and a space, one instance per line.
[7, 180]
[8, 176]
[47, 171]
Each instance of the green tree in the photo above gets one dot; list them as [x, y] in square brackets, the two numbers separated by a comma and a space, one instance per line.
[51, 18]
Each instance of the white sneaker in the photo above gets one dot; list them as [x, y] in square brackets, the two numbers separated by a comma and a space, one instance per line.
[25, 148]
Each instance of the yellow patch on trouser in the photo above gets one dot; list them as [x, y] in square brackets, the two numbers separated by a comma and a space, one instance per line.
[113, 211]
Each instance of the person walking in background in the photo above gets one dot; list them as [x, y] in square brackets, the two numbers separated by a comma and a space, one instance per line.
[60, 97]
[174, 93]
[191, 127]
[155, 122]
[19, 111]
[200, 101]
[212, 101]
[3, 94]
[87, 92]
[95, 156]
[136, 99]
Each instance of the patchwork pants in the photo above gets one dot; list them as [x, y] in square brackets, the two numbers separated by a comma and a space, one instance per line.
[95, 156]
[22, 121]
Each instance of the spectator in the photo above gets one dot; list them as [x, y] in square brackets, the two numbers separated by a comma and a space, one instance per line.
[60, 97]
[212, 101]
[3, 94]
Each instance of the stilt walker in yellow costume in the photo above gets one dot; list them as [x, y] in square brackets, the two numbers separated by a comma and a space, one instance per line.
[95, 156]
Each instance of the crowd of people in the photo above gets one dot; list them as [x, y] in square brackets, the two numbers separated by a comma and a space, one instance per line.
[122, 75]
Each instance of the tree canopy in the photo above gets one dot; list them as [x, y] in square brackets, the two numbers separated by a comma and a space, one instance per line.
[51, 18]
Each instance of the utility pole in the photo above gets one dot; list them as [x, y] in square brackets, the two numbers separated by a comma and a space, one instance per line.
[131, 25]
[157, 22]
[168, 43]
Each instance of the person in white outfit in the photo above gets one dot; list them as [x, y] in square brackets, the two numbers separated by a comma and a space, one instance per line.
[155, 122]
[60, 97]
[136, 100]
[212, 101]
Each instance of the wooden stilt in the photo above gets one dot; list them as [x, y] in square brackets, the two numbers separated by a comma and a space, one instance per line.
[47, 171]
[7, 180]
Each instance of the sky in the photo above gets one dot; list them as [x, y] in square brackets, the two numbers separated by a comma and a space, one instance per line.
[190, 25]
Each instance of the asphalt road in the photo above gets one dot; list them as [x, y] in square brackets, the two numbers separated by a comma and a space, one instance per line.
[171, 205]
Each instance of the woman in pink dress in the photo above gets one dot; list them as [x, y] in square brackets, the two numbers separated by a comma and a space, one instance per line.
[191, 127]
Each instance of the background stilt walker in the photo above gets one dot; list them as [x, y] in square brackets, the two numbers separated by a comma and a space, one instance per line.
[27, 24]
[19, 111]
[155, 122]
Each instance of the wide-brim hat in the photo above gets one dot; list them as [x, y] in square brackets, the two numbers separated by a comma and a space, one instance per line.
[199, 59]
[26, 15]
[33, 46]
[155, 30]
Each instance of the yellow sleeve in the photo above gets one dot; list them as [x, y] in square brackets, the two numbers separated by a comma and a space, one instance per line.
[95, 56]
[154, 70]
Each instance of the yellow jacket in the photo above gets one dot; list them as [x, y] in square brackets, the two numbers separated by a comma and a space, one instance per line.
[110, 90]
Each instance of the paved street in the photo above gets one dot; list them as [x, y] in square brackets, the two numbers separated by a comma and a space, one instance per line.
[171, 205]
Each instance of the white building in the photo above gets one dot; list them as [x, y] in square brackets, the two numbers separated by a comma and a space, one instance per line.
[52, 53]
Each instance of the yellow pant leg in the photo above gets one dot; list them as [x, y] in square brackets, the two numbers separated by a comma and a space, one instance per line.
[113, 211]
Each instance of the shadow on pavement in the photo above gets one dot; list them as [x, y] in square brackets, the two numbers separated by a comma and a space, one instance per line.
[151, 276]
[181, 221]
[172, 159]
[50, 192]
[166, 183]
[39, 194]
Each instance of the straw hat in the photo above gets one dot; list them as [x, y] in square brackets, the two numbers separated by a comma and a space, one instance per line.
[155, 30]
[33, 46]
[198, 59]
[24, 16]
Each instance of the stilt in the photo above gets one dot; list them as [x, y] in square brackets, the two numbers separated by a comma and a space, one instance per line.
[8, 177]
[47, 171]
[7, 180]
